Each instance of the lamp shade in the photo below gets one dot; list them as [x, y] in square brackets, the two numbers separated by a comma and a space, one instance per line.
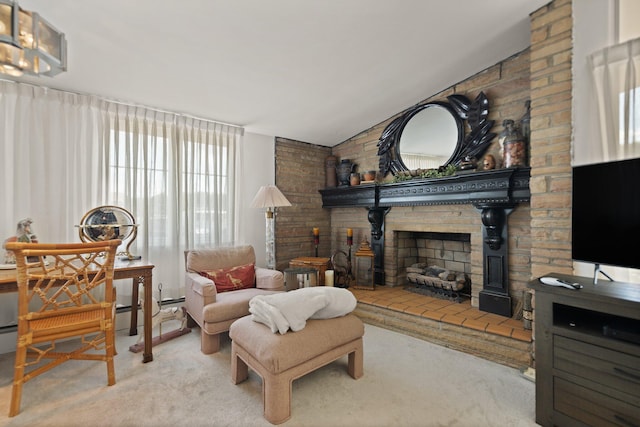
[269, 197]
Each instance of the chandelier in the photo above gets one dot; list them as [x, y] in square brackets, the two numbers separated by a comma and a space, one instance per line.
[29, 44]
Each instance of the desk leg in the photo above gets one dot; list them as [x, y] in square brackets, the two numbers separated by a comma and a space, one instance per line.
[133, 327]
[147, 356]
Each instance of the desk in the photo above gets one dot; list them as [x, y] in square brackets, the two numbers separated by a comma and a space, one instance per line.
[139, 272]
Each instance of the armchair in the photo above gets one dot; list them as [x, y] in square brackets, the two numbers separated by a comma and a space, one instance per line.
[214, 306]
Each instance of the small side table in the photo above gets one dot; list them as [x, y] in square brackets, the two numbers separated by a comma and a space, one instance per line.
[299, 277]
[319, 263]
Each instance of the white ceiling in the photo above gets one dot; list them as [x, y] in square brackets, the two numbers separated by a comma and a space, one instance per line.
[318, 71]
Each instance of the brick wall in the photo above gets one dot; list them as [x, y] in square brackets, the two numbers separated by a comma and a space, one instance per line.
[299, 175]
[539, 232]
[551, 55]
[506, 85]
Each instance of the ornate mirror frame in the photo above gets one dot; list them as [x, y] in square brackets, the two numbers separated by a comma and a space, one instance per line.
[469, 147]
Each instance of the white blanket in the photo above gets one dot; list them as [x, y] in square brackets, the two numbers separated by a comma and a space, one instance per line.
[290, 310]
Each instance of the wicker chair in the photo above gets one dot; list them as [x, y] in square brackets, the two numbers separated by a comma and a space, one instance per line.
[67, 293]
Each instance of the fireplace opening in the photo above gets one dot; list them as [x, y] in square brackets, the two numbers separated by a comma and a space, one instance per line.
[435, 263]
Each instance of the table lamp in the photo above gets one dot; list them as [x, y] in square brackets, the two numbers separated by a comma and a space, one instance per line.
[270, 197]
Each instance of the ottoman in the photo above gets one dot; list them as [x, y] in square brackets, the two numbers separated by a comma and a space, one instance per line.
[280, 359]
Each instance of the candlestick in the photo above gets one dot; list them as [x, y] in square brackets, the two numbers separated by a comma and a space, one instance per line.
[316, 238]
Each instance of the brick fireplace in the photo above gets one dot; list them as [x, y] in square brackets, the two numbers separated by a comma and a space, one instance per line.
[480, 205]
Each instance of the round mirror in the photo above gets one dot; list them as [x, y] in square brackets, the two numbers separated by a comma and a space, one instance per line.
[430, 137]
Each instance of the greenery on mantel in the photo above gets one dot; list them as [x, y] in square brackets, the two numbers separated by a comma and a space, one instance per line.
[449, 170]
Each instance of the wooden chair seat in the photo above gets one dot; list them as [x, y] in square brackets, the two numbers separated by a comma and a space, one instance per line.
[70, 323]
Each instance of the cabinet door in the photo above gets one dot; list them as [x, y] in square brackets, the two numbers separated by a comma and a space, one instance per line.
[591, 407]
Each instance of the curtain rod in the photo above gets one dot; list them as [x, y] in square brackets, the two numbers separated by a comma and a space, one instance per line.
[128, 104]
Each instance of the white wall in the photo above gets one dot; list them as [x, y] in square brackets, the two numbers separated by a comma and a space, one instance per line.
[258, 169]
[593, 29]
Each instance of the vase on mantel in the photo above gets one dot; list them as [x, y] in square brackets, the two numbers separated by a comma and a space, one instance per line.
[514, 146]
[331, 179]
[344, 170]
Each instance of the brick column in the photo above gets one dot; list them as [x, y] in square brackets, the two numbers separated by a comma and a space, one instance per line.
[551, 84]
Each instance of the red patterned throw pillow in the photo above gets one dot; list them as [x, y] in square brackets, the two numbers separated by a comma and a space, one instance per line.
[232, 279]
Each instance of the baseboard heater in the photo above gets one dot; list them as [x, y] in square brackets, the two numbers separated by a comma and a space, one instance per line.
[127, 308]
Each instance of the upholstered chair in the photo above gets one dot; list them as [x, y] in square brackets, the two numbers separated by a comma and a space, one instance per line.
[219, 283]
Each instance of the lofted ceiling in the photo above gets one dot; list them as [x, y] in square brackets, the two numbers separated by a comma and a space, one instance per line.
[313, 71]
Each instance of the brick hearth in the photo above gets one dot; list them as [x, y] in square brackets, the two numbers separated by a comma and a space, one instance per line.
[455, 325]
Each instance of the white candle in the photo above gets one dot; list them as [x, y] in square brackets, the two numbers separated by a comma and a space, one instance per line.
[328, 278]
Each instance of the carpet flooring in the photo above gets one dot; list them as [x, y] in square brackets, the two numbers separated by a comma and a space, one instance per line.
[407, 382]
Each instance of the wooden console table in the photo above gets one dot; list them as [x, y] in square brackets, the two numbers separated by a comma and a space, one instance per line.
[139, 271]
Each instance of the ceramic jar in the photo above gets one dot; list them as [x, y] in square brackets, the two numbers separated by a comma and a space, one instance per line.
[331, 178]
[354, 179]
[514, 146]
[369, 175]
[344, 169]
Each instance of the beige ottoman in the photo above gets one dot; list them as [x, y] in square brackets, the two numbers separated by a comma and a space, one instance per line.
[280, 359]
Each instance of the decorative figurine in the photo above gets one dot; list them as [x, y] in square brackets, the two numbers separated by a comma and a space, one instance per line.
[468, 163]
[23, 234]
[161, 315]
[489, 162]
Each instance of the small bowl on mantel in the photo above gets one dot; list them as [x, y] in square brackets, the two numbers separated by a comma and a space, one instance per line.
[369, 175]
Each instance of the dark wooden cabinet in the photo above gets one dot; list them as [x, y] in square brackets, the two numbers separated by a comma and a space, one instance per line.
[587, 352]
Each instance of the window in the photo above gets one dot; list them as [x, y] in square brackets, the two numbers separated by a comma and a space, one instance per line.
[177, 178]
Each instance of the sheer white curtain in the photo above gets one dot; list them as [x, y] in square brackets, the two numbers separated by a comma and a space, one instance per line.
[176, 175]
[616, 77]
[62, 154]
[615, 73]
[50, 172]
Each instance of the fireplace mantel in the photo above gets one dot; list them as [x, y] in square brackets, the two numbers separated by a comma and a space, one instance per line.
[495, 188]
[495, 193]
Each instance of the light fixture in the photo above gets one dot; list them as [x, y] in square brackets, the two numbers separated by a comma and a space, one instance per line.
[270, 197]
[29, 44]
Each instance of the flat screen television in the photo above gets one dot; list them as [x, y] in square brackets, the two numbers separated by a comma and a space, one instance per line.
[606, 214]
